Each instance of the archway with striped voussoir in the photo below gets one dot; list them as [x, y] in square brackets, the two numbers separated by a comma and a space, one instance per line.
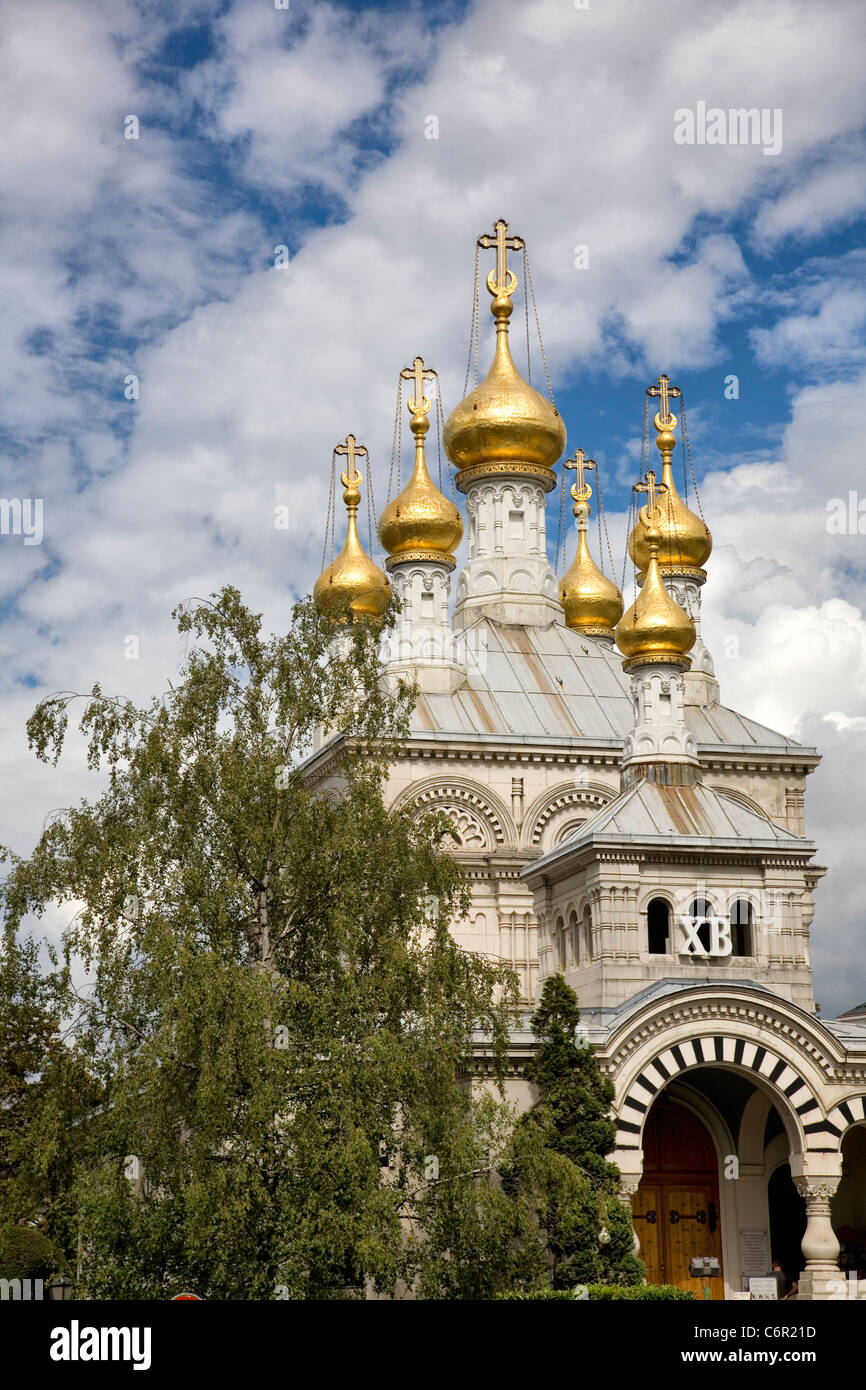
[845, 1114]
[795, 1096]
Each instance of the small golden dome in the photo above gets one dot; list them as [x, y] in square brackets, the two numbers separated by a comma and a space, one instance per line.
[592, 602]
[655, 628]
[352, 584]
[420, 521]
[685, 542]
[504, 420]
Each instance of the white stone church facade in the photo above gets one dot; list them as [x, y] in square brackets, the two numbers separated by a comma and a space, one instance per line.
[626, 828]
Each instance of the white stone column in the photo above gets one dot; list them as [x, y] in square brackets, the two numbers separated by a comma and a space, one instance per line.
[629, 1184]
[820, 1278]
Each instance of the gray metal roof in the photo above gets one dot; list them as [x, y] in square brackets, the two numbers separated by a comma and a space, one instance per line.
[552, 682]
[652, 815]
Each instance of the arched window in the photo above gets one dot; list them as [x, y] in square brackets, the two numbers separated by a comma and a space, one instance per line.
[560, 942]
[702, 909]
[658, 927]
[741, 928]
[586, 952]
[573, 939]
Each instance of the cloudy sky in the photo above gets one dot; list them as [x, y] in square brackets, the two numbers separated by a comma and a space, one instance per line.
[310, 127]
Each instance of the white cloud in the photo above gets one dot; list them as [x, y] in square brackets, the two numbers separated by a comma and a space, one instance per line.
[823, 199]
[558, 118]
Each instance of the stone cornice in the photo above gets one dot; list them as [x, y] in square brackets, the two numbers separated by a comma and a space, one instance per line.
[516, 748]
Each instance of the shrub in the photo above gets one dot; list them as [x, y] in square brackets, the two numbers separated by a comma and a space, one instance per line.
[609, 1293]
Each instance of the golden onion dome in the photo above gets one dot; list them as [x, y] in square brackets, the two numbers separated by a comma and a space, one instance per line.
[592, 602]
[655, 628]
[420, 523]
[685, 543]
[504, 421]
[352, 586]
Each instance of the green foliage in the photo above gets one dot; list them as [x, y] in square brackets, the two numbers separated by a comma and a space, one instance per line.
[27, 1253]
[42, 1083]
[631, 1293]
[557, 1169]
[274, 1023]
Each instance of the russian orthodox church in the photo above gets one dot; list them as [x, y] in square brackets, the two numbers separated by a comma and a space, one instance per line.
[619, 824]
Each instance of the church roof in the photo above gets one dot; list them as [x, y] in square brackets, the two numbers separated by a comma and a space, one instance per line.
[560, 685]
[681, 817]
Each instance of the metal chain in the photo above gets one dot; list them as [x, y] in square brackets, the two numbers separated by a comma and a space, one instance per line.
[629, 526]
[602, 518]
[561, 546]
[329, 520]
[691, 465]
[473, 328]
[644, 443]
[394, 450]
[526, 317]
[538, 325]
[436, 395]
[440, 430]
[371, 511]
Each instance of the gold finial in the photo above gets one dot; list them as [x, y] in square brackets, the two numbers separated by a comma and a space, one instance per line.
[502, 282]
[655, 629]
[592, 602]
[352, 478]
[581, 490]
[665, 420]
[419, 405]
[352, 583]
[685, 542]
[503, 425]
[420, 524]
[650, 515]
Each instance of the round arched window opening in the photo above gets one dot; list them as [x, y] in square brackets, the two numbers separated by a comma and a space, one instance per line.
[741, 928]
[658, 920]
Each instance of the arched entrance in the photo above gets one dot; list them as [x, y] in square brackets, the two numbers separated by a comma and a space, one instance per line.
[676, 1207]
[848, 1207]
[787, 1212]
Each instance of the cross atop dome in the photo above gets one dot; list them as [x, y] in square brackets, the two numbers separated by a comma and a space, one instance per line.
[419, 404]
[666, 393]
[580, 464]
[502, 281]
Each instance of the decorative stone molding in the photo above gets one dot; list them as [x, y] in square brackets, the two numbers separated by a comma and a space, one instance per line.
[660, 733]
[478, 801]
[507, 573]
[696, 1012]
[817, 1189]
[590, 795]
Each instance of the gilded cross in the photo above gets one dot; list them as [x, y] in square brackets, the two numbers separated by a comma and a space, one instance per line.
[665, 391]
[418, 404]
[581, 492]
[502, 280]
[652, 490]
[352, 476]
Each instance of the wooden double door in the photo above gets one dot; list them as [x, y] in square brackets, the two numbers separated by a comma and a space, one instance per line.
[676, 1207]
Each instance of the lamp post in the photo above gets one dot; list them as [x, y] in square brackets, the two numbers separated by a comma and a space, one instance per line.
[60, 1290]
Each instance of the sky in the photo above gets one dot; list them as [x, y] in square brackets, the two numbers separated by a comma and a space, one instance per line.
[156, 155]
